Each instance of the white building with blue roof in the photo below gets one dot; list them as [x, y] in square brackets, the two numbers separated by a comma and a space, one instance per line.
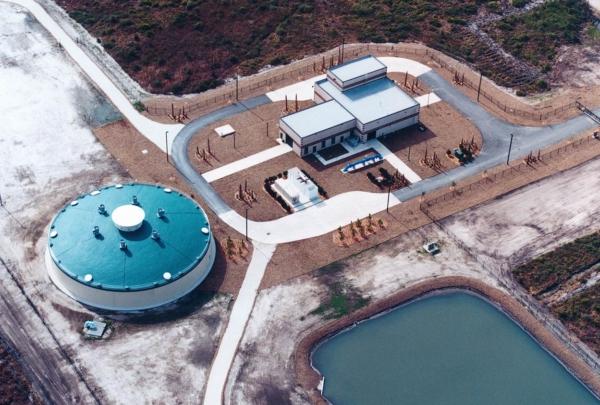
[356, 98]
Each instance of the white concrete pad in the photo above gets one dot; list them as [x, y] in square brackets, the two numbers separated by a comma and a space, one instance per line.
[427, 99]
[242, 164]
[403, 65]
[303, 90]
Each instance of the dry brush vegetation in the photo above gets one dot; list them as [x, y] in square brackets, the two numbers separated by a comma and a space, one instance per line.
[188, 46]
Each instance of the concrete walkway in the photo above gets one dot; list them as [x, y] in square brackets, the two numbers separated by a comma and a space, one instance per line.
[249, 161]
[242, 307]
[427, 99]
[152, 130]
[395, 161]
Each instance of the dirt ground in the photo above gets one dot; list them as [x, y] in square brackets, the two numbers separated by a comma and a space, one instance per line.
[481, 243]
[445, 129]
[330, 178]
[251, 135]
[15, 388]
[288, 263]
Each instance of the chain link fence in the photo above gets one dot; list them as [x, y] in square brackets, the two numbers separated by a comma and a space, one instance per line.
[512, 171]
[263, 82]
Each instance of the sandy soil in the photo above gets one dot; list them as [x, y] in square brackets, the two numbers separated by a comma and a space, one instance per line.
[472, 246]
[49, 154]
[445, 129]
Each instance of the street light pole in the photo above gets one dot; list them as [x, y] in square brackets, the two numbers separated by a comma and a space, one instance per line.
[509, 148]
[167, 144]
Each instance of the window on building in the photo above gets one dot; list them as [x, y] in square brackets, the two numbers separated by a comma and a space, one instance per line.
[305, 150]
[323, 144]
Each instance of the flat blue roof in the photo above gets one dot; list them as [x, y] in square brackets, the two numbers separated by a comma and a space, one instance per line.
[357, 67]
[181, 246]
[370, 101]
[317, 118]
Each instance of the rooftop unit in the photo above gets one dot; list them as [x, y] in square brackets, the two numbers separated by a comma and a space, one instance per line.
[356, 72]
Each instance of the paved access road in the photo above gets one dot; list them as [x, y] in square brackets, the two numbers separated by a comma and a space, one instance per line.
[341, 209]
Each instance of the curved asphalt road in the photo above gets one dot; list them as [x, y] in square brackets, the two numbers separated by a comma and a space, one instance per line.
[495, 133]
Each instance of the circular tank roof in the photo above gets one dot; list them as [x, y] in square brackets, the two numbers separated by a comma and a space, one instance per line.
[128, 237]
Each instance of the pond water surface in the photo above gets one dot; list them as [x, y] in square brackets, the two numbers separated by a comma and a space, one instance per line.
[446, 349]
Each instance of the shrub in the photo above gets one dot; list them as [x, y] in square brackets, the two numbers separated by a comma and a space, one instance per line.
[138, 105]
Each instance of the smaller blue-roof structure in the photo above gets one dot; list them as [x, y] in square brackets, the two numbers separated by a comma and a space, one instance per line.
[318, 118]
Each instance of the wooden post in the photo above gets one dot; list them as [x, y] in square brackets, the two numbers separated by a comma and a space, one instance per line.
[208, 146]
[296, 102]
[286, 106]
[405, 78]
[236, 88]
[409, 153]
[267, 128]
[479, 87]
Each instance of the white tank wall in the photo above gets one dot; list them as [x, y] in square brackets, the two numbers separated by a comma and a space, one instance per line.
[132, 300]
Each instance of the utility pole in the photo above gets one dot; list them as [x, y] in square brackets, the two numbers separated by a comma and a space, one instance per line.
[234, 140]
[343, 43]
[246, 223]
[167, 144]
[479, 87]
[509, 148]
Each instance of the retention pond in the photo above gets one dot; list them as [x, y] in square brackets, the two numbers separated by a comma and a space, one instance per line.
[447, 349]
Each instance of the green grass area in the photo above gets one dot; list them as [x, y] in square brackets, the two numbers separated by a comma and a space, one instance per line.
[553, 268]
[537, 35]
[342, 300]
